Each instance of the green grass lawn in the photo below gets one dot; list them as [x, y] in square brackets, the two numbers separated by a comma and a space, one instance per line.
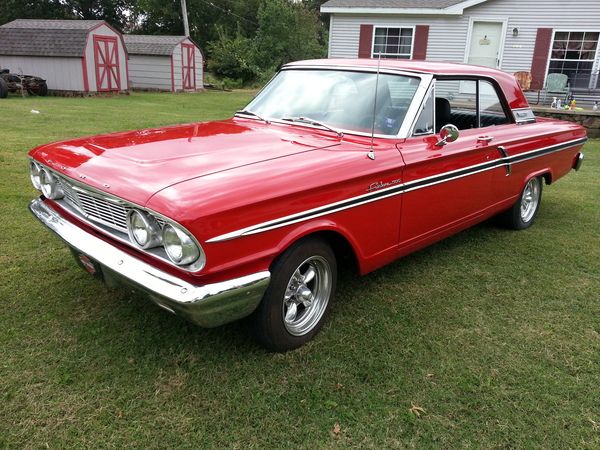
[495, 334]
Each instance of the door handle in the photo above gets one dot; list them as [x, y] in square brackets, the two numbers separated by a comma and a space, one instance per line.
[485, 139]
[504, 153]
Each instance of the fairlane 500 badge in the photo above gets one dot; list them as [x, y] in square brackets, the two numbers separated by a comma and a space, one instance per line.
[383, 184]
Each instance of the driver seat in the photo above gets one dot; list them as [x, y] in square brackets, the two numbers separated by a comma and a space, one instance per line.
[443, 113]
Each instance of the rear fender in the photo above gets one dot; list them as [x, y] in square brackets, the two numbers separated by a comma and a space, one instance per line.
[546, 173]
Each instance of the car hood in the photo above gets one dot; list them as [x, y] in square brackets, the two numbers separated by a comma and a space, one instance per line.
[135, 165]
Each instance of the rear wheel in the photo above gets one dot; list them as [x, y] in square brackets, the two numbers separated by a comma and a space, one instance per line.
[525, 210]
[299, 296]
[3, 88]
[41, 90]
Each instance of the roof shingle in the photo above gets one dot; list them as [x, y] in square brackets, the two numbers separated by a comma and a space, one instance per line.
[45, 37]
[145, 44]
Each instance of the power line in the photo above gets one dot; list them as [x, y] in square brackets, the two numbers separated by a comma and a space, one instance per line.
[228, 11]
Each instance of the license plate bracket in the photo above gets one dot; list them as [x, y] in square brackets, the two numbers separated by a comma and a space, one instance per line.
[88, 264]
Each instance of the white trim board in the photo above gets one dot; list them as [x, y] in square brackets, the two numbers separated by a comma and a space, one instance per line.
[454, 10]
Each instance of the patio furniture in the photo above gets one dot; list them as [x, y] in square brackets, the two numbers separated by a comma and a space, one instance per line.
[557, 84]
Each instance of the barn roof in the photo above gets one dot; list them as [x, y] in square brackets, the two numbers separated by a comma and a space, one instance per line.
[45, 37]
[147, 44]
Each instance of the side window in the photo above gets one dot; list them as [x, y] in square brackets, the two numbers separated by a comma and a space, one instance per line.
[468, 104]
[424, 124]
[490, 108]
[456, 103]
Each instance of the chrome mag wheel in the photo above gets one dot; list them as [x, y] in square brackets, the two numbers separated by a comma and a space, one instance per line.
[530, 199]
[307, 295]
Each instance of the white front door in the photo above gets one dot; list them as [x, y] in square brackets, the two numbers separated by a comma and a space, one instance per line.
[485, 44]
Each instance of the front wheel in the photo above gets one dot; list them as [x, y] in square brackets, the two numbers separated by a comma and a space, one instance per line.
[299, 296]
[525, 210]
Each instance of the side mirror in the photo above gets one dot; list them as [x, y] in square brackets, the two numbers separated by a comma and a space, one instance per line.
[448, 133]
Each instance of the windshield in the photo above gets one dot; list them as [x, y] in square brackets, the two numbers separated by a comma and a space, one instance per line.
[339, 99]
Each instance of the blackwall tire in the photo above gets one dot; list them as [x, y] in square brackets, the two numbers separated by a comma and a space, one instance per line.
[299, 296]
[3, 89]
[43, 90]
[525, 210]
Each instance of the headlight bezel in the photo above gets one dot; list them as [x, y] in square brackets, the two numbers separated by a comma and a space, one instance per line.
[49, 185]
[34, 174]
[151, 227]
[190, 251]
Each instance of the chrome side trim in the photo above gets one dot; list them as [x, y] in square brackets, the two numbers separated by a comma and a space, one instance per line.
[208, 305]
[397, 189]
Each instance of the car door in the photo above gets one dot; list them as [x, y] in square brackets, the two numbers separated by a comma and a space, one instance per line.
[447, 187]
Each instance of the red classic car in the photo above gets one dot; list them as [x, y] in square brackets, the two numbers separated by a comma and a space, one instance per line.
[357, 159]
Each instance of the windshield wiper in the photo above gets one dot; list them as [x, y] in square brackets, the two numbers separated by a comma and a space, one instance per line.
[253, 114]
[310, 121]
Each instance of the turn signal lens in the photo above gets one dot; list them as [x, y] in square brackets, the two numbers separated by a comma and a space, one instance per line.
[49, 185]
[143, 229]
[34, 174]
[180, 248]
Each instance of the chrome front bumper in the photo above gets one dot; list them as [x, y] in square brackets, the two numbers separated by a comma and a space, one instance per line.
[578, 161]
[209, 306]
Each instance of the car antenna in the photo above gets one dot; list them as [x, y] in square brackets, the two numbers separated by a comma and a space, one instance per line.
[371, 153]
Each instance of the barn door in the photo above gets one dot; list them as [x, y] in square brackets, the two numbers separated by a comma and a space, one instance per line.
[106, 53]
[188, 66]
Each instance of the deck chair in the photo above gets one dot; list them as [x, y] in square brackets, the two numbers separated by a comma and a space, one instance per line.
[557, 84]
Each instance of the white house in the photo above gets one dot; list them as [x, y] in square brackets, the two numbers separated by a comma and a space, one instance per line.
[540, 37]
[72, 55]
[165, 63]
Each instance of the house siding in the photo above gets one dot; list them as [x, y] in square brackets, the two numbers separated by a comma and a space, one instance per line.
[150, 72]
[177, 69]
[199, 69]
[448, 34]
[60, 73]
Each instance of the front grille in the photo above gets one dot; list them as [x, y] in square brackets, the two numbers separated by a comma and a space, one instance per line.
[111, 213]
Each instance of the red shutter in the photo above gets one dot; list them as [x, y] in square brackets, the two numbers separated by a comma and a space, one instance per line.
[540, 57]
[365, 41]
[420, 45]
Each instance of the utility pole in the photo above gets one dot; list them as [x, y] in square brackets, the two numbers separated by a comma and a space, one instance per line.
[186, 26]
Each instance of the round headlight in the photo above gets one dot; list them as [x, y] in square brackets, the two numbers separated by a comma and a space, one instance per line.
[179, 246]
[34, 174]
[143, 229]
[49, 185]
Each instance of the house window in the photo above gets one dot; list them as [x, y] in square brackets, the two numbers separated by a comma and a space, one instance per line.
[573, 54]
[393, 43]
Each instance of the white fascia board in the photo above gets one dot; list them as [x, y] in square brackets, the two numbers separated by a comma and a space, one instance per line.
[455, 10]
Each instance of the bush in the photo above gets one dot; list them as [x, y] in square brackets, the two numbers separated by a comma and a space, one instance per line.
[232, 58]
[286, 32]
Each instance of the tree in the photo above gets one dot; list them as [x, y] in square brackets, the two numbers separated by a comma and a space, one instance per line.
[31, 9]
[286, 32]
